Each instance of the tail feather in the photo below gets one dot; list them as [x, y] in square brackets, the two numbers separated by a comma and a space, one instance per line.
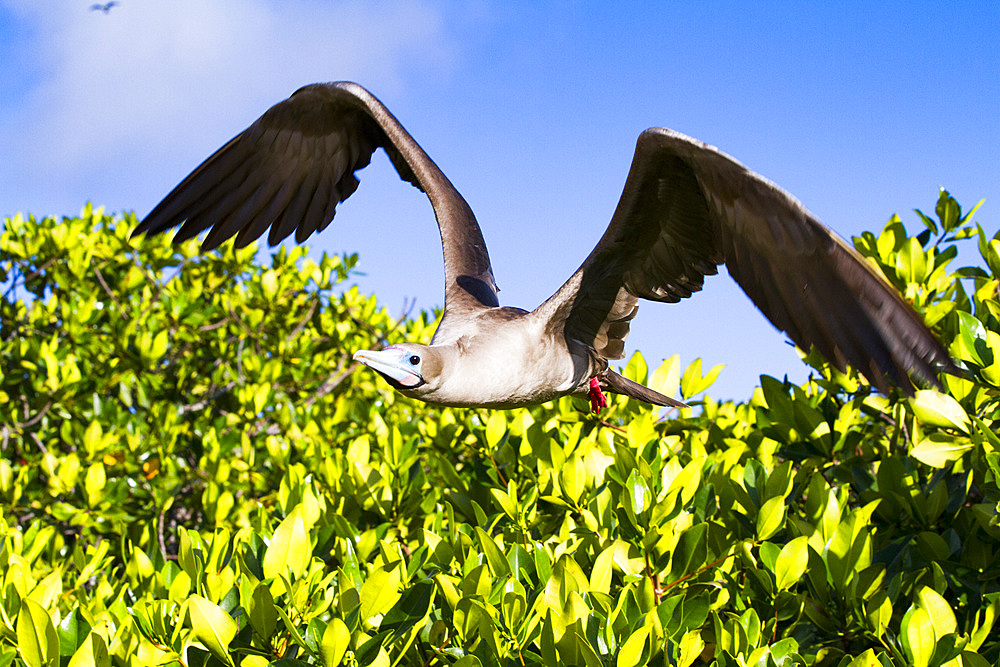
[622, 385]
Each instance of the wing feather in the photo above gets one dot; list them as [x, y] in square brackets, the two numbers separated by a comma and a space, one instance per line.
[293, 165]
[685, 209]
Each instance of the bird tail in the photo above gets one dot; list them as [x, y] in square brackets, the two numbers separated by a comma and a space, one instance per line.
[622, 385]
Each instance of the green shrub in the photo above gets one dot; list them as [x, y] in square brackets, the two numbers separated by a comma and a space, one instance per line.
[193, 472]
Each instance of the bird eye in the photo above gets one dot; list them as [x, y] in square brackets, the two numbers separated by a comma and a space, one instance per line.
[414, 360]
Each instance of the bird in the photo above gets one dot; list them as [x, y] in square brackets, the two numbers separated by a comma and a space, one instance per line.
[686, 209]
[103, 7]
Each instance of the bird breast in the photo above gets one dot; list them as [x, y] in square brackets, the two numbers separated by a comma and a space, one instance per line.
[507, 364]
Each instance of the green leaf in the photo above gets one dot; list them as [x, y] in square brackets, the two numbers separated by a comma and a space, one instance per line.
[290, 547]
[636, 368]
[939, 449]
[918, 636]
[159, 345]
[94, 483]
[771, 517]
[970, 659]
[692, 382]
[212, 626]
[269, 283]
[634, 652]
[584, 649]
[948, 211]
[335, 642]
[496, 428]
[866, 659]
[667, 378]
[498, 564]
[938, 610]
[600, 575]
[260, 396]
[691, 551]
[638, 492]
[93, 652]
[36, 635]
[936, 409]
[411, 608]
[573, 479]
[691, 647]
[92, 437]
[985, 619]
[72, 630]
[911, 262]
[505, 502]
[791, 562]
[263, 615]
[380, 591]
[974, 339]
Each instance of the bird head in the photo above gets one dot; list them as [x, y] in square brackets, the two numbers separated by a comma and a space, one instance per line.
[408, 368]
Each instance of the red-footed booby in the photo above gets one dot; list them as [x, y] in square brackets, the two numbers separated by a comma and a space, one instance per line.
[686, 208]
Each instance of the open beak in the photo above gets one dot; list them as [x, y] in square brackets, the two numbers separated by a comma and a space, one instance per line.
[392, 363]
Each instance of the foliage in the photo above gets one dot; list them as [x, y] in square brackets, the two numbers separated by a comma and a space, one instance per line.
[194, 473]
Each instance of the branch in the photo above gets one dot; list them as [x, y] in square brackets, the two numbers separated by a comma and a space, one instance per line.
[302, 324]
[331, 382]
[104, 284]
[38, 416]
[203, 403]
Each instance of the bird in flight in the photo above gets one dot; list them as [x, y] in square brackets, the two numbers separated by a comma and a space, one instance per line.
[686, 208]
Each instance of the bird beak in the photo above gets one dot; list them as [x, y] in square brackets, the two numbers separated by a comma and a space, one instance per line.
[393, 365]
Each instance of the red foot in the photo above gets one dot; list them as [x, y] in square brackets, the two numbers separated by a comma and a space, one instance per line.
[597, 398]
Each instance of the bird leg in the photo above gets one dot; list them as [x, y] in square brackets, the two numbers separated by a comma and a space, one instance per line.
[597, 398]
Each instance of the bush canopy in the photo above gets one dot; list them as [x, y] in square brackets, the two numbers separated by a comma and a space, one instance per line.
[194, 472]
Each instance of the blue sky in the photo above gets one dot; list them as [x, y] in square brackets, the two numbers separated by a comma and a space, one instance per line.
[532, 109]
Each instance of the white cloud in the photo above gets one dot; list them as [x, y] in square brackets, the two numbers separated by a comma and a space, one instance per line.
[149, 80]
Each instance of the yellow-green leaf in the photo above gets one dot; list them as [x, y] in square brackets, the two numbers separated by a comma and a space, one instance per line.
[691, 647]
[600, 576]
[667, 378]
[93, 652]
[937, 409]
[260, 395]
[941, 615]
[866, 659]
[290, 547]
[633, 653]
[692, 382]
[94, 483]
[918, 636]
[92, 437]
[638, 492]
[263, 615]
[771, 517]
[380, 591]
[212, 626]
[36, 635]
[496, 428]
[939, 449]
[494, 557]
[335, 642]
[269, 282]
[791, 562]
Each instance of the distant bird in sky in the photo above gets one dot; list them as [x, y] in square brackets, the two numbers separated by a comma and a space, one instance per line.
[105, 7]
[686, 208]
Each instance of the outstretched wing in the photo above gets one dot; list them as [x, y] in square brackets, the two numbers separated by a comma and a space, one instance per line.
[290, 169]
[685, 209]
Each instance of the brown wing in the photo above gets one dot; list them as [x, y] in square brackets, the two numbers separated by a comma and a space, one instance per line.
[688, 207]
[290, 169]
